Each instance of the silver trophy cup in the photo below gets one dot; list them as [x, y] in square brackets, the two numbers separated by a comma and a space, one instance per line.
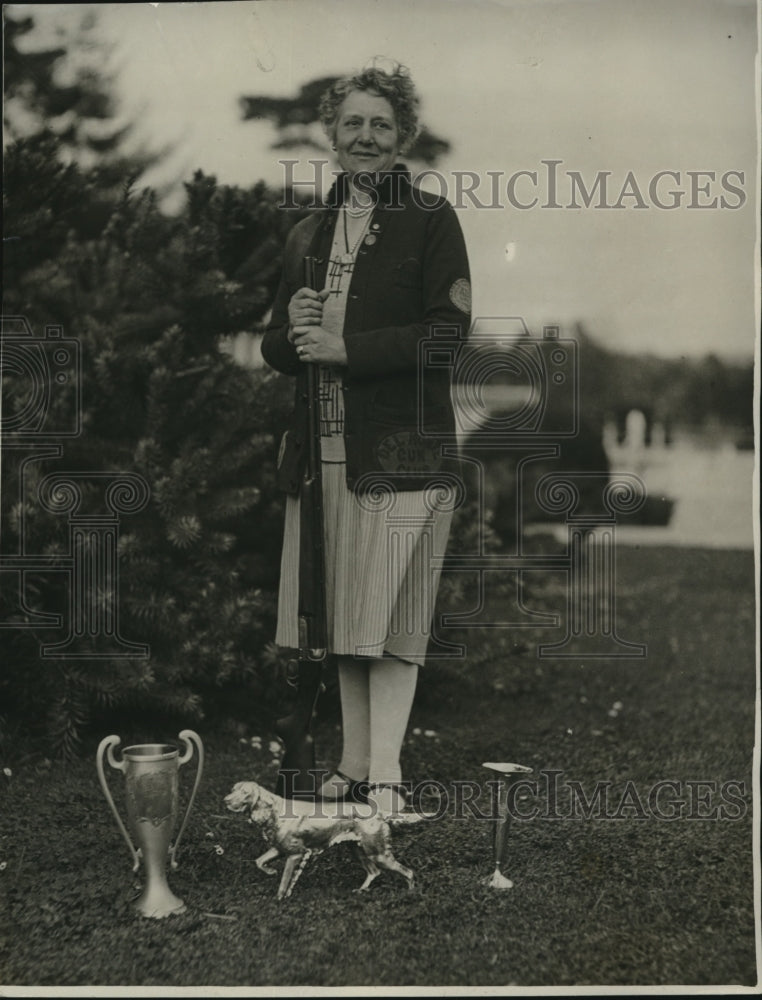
[151, 784]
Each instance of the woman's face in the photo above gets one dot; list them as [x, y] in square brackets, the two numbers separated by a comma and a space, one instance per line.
[366, 133]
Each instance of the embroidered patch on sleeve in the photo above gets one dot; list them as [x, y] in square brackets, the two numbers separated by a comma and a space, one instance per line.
[460, 295]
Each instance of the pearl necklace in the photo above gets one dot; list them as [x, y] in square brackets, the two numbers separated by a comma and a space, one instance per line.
[349, 255]
[356, 205]
[359, 211]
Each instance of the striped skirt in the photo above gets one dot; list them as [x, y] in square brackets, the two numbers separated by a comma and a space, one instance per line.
[383, 564]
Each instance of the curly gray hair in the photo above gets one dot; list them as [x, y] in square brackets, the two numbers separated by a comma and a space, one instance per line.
[395, 85]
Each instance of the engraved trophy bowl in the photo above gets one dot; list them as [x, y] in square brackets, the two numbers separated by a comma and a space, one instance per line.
[151, 779]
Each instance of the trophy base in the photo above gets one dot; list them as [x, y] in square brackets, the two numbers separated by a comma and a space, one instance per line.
[159, 902]
[497, 880]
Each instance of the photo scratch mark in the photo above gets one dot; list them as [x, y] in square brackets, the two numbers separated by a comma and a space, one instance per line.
[263, 53]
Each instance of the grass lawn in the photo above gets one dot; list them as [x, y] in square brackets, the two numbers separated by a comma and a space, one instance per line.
[634, 900]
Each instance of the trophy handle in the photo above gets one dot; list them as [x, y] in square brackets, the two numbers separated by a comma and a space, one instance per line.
[107, 746]
[189, 738]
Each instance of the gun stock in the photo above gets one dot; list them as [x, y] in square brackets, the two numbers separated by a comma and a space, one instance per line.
[297, 775]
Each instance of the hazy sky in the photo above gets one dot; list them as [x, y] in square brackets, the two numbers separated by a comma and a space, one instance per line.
[636, 86]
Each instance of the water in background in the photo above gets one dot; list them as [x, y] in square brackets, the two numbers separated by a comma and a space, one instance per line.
[710, 480]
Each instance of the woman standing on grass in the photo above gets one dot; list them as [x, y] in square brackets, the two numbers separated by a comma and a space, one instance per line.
[392, 268]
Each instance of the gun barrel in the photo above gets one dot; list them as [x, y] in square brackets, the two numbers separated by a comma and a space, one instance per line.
[297, 773]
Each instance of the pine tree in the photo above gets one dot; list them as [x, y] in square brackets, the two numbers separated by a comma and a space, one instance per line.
[149, 300]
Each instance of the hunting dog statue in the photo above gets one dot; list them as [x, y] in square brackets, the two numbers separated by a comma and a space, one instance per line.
[302, 830]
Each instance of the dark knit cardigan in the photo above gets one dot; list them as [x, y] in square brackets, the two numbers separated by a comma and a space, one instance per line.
[408, 304]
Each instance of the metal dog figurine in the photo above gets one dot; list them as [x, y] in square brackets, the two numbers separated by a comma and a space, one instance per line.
[301, 830]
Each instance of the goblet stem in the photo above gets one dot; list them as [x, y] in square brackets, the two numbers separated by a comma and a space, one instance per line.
[509, 774]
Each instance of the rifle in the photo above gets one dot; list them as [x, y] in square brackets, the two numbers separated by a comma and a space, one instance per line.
[296, 778]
